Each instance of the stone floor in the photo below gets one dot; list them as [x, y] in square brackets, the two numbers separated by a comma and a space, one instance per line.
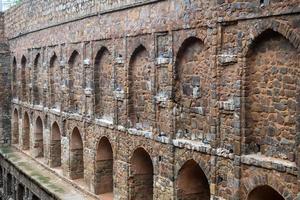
[48, 179]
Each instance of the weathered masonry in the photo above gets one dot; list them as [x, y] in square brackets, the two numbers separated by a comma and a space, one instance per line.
[151, 99]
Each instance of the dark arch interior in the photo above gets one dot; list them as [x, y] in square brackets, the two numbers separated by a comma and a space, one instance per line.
[139, 75]
[76, 140]
[104, 167]
[55, 146]
[264, 193]
[26, 132]
[15, 139]
[141, 182]
[54, 81]
[21, 192]
[74, 81]
[192, 182]
[102, 76]
[76, 155]
[38, 141]
[23, 78]
[271, 76]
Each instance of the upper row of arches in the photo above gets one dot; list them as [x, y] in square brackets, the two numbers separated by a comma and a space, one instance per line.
[265, 109]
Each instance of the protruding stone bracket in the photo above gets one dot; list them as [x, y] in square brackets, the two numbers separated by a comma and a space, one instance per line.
[227, 59]
[161, 99]
[86, 62]
[88, 91]
[198, 110]
[227, 105]
[119, 59]
[119, 94]
[62, 64]
[162, 60]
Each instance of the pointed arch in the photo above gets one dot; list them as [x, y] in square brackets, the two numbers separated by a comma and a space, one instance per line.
[140, 74]
[55, 77]
[103, 74]
[26, 132]
[104, 167]
[55, 146]
[9, 185]
[38, 138]
[280, 27]
[141, 179]
[268, 84]
[192, 84]
[76, 155]
[75, 74]
[20, 192]
[192, 183]
[15, 127]
[264, 192]
[14, 78]
[36, 79]
[24, 78]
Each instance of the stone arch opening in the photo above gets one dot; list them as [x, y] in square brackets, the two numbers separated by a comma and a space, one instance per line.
[192, 182]
[38, 138]
[55, 146]
[192, 85]
[15, 75]
[75, 85]
[264, 192]
[34, 197]
[1, 177]
[9, 185]
[76, 155]
[23, 78]
[36, 79]
[26, 132]
[21, 192]
[103, 74]
[55, 75]
[15, 127]
[270, 91]
[141, 175]
[104, 167]
[140, 74]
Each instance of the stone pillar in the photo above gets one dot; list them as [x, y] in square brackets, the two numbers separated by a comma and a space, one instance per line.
[47, 141]
[163, 188]
[88, 91]
[121, 175]
[65, 156]
[89, 169]
[65, 97]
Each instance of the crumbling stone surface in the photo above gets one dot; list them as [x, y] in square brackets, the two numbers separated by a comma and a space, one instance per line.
[184, 94]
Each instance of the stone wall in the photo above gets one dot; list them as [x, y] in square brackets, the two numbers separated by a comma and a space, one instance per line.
[208, 87]
[18, 186]
[5, 86]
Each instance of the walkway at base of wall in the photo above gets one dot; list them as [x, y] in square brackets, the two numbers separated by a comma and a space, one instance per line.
[51, 182]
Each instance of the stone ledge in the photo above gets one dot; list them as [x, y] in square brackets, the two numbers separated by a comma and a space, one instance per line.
[146, 134]
[104, 123]
[270, 163]
[56, 185]
[193, 145]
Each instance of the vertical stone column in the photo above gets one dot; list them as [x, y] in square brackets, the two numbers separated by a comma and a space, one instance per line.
[88, 77]
[45, 84]
[121, 190]
[31, 77]
[120, 82]
[47, 141]
[89, 162]
[163, 89]
[65, 156]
